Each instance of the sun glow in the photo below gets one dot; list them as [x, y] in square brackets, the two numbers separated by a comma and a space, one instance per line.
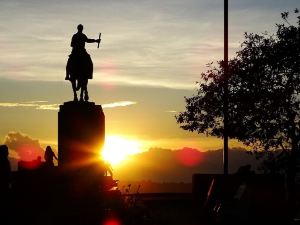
[117, 149]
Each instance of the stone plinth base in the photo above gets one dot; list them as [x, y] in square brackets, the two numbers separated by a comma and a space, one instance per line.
[81, 133]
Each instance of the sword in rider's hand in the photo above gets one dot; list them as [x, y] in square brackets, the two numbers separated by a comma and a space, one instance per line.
[99, 39]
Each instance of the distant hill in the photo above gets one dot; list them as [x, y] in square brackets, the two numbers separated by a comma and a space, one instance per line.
[169, 166]
[165, 165]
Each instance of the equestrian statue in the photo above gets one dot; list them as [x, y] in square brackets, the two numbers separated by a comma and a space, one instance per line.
[80, 66]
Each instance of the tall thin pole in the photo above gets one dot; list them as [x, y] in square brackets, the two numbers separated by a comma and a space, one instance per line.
[225, 134]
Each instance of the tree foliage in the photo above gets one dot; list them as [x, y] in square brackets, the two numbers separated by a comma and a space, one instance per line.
[264, 88]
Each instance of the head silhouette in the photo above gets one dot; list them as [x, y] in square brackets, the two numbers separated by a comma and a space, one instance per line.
[80, 28]
[48, 149]
[48, 153]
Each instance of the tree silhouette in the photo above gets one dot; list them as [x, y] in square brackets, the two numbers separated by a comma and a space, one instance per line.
[264, 88]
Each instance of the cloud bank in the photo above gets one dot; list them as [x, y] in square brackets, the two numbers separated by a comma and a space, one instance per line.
[34, 104]
[24, 146]
[118, 104]
[40, 105]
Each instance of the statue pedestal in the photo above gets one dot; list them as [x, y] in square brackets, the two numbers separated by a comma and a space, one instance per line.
[81, 134]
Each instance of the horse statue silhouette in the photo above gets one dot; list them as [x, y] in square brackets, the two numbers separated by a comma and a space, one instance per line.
[80, 66]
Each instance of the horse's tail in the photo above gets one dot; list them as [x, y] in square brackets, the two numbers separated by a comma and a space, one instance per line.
[68, 72]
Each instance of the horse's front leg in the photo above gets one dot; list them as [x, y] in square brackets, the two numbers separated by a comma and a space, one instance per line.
[81, 95]
[73, 82]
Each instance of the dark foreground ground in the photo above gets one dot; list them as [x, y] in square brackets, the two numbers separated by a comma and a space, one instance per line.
[57, 198]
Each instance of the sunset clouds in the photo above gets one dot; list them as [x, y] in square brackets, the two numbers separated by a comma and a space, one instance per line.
[24, 146]
[147, 43]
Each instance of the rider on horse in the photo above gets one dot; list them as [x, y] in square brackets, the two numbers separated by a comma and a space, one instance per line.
[79, 39]
[80, 65]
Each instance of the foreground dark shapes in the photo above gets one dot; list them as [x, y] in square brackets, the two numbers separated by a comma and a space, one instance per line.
[242, 199]
[85, 196]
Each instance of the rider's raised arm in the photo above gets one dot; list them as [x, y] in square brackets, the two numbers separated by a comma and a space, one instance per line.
[91, 40]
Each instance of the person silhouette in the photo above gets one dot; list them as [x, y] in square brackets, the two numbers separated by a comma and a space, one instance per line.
[5, 170]
[48, 156]
[80, 66]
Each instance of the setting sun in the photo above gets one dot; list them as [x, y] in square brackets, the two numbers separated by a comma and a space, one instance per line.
[117, 149]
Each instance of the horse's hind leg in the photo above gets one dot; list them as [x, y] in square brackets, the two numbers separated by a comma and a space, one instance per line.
[81, 84]
[78, 85]
[86, 96]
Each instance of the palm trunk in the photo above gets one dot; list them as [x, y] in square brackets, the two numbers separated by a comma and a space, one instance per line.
[292, 170]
